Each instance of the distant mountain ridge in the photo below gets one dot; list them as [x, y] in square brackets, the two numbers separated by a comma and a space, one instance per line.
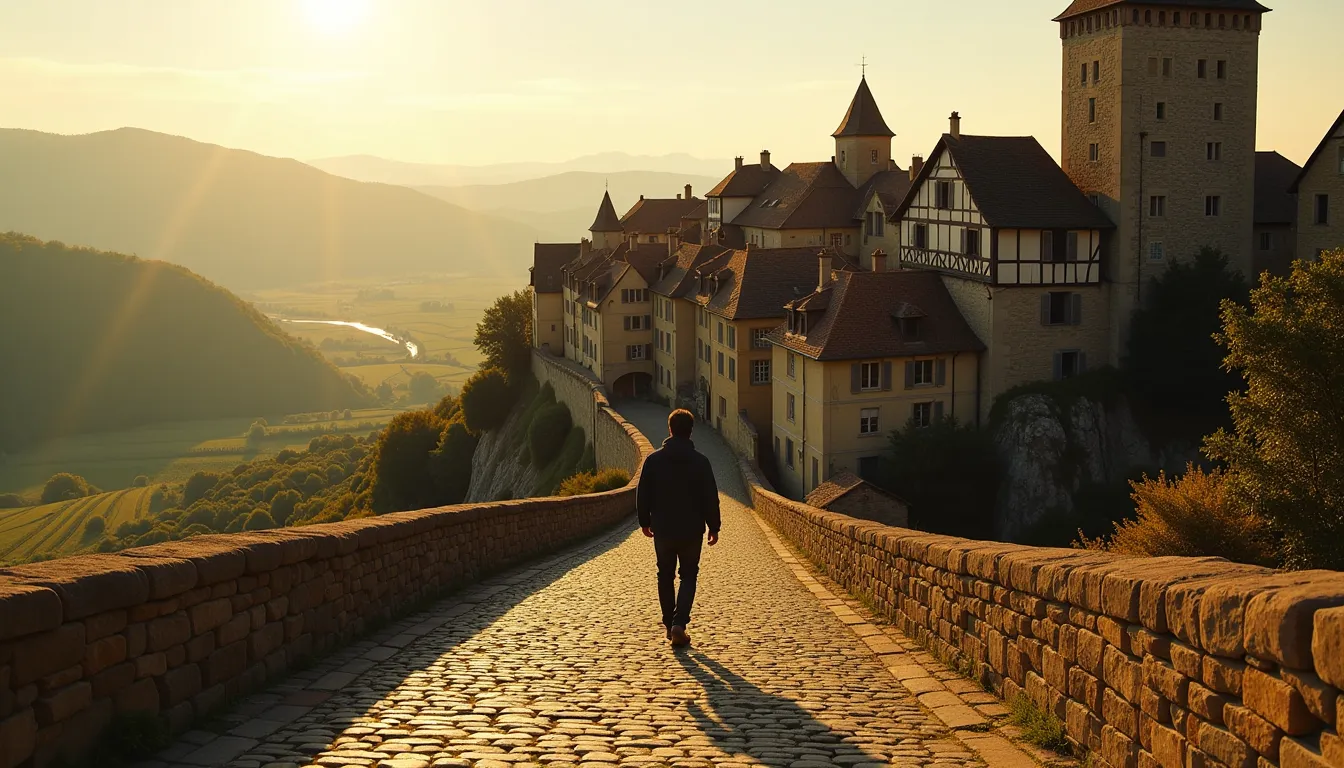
[561, 207]
[102, 341]
[377, 169]
[242, 219]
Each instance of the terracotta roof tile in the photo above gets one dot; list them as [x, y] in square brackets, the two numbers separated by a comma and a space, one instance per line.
[1080, 7]
[747, 181]
[840, 484]
[1014, 183]
[755, 283]
[654, 216]
[860, 319]
[863, 117]
[548, 259]
[1274, 177]
[679, 269]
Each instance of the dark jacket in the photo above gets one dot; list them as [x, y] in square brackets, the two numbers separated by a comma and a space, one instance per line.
[677, 495]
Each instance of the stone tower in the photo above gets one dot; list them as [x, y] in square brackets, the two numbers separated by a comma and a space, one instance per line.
[606, 229]
[1159, 110]
[863, 140]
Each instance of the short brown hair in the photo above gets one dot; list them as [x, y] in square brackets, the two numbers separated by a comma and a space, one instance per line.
[680, 423]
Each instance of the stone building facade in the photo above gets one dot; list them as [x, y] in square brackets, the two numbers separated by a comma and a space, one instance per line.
[1320, 196]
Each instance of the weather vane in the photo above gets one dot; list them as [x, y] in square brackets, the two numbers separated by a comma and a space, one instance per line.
[863, 66]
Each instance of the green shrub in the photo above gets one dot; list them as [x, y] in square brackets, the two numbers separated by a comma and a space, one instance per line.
[401, 466]
[450, 464]
[568, 462]
[259, 520]
[588, 482]
[197, 486]
[486, 400]
[94, 527]
[1038, 726]
[12, 500]
[546, 434]
[64, 486]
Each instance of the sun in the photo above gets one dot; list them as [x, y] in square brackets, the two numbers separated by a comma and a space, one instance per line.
[335, 18]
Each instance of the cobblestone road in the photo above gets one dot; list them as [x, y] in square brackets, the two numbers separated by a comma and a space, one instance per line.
[566, 664]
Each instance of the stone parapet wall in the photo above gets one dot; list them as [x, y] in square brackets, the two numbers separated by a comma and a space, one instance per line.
[1169, 661]
[179, 628]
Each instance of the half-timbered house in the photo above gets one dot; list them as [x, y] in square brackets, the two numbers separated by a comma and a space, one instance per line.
[1020, 250]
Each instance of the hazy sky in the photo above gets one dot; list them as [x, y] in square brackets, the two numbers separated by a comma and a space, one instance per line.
[500, 80]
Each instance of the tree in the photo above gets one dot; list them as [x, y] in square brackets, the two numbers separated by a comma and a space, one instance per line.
[256, 433]
[486, 399]
[1190, 516]
[384, 392]
[949, 475]
[1285, 453]
[424, 387]
[1174, 331]
[504, 335]
[401, 478]
[94, 527]
[199, 484]
[259, 520]
[450, 464]
[64, 486]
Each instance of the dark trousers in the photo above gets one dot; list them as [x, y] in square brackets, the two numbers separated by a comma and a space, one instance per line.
[677, 605]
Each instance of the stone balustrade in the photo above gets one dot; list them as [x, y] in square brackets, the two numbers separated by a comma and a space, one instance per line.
[179, 628]
[1167, 661]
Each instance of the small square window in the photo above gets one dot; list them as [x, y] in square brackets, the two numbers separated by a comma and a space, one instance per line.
[943, 194]
[1061, 308]
[732, 369]
[872, 156]
[1166, 67]
[1161, 110]
[921, 414]
[922, 372]
[788, 452]
[972, 245]
[1068, 364]
[870, 376]
[1152, 66]
[1341, 161]
[1094, 152]
[760, 371]
[1155, 252]
[868, 421]
[1214, 150]
[1213, 205]
[921, 236]
[1266, 241]
[1158, 148]
[1222, 70]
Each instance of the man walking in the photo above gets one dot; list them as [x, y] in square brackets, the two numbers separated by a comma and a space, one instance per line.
[677, 501]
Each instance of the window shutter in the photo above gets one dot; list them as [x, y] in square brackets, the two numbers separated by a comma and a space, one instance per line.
[1045, 309]
[886, 375]
[1058, 367]
[626, 322]
[648, 321]
[1082, 361]
[909, 374]
[1075, 308]
[937, 410]
[940, 372]
[648, 351]
[963, 241]
[854, 378]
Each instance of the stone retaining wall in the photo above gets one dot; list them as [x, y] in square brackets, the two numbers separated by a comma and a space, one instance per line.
[179, 628]
[1168, 661]
[616, 443]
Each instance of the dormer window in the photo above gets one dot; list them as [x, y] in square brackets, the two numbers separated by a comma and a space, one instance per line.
[909, 327]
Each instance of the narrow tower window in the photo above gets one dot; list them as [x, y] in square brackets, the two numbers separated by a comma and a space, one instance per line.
[1202, 68]
[1166, 67]
[1161, 110]
[1222, 70]
[1217, 110]
[1096, 71]
[1084, 79]
[1091, 110]
[1213, 205]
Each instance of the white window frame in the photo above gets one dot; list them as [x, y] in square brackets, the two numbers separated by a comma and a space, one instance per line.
[868, 421]
[923, 372]
[760, 371]
[790, 407]
[922, 414]
[870, 376]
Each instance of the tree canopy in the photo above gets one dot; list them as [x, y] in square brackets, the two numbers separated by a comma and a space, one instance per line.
[504, 334]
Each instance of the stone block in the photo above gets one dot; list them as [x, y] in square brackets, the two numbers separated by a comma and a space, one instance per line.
[1302, 753]
[1332, 748]
[1260, 734]
[1120, 713]
[40, 655]
[1085, 688]
[1118, 750]
[1327, 645]
[179, 685]
[104, 624]
[167, 576]
[151, 664]
[265, 640]
[1089, 647]
[1279, 622]
[200, 647]
[1225, 747]
[1168, 747]
[1222, 675]
[1319, 696]
[101, 654]
[1162, 677]
[112, 679]
[209, 614]
[18, 737]
[215, 560]
[62, 704]
[226, 663]
[86, 584]
[1186, 660]
[1122, 673]
[140, 696]
[1206, 703]
[1154, 706]
[1278, 702]
[167, 631]
[234, 629]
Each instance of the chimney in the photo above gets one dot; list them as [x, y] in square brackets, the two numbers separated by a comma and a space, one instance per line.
[634, 240]
[585, 247]
[688, 191]
[823, 270]
[891, 165]
[955, 121]
[737, 163]
[916, 165]
[765, 159]
[673, 240]
[879, 260]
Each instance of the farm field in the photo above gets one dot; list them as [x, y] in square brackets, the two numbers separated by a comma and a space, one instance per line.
[164, 453]
[57, 529]
[439, 313]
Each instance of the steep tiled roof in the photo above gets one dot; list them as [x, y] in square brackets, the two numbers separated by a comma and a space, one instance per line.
[890, 186]
[1080, 7]
[645, 258]
[654, 216]
[1274, 176]
[755, 283]
[1337, 129]
[1014, 183]
[860, 321]
[547, 261]
[679, 269]
[699, 212]
[840, 484]
[863, 117]
[607, 220]
[747, 181]
[729, 236]
[805, 196]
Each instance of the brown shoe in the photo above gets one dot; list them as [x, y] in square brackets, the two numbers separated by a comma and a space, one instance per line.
[680, 637]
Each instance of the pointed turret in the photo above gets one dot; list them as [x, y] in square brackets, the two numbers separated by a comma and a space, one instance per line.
[863, 140]
[863, 117]
[607, 220]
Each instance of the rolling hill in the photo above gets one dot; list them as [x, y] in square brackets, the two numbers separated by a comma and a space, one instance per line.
[99, 341]
[561, 207]
[370, 168]
[239, 218]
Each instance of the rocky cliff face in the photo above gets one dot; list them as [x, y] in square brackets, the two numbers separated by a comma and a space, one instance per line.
[1052, 447]
[500, 468]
